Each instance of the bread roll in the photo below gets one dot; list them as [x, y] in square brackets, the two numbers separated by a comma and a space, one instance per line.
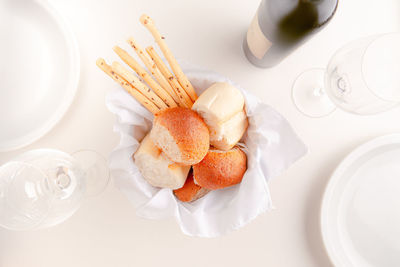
[220, 169]
[157, 169]
[222, 108]
[190, 191]
[181, 134]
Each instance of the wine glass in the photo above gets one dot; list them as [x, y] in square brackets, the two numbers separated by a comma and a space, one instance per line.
[44, 187]
[363, 77]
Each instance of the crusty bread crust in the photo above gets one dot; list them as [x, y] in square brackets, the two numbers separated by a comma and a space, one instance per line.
[220, 169]
[190, 191]
[188, 130]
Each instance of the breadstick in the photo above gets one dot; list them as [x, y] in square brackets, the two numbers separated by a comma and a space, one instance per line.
[136, 83]
[154, 70]
[132, 91]
[181, 77]
[168, 75]
[131, 62]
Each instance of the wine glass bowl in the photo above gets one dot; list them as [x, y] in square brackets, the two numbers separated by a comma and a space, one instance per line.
[362, 78]
[355, 76]
[44, 187]
[24, 202]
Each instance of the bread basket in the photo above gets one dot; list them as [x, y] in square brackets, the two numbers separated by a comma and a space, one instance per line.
[270, 144]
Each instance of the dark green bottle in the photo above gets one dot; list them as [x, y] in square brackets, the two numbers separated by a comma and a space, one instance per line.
[280, 26]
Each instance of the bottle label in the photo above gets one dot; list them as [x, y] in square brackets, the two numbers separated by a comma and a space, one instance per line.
[256, 40]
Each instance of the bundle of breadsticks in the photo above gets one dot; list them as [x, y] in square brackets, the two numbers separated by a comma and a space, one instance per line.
[192, 146]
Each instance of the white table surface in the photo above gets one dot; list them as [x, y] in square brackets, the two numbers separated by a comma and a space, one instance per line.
[106, 232]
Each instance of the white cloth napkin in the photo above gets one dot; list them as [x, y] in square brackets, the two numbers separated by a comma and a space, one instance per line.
[270, 144]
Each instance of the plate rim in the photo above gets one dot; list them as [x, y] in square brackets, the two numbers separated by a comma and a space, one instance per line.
[348, 160]
[71, 87]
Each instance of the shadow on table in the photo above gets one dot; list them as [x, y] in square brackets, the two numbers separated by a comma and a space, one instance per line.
[313, 228]
[7, 240]
[312, 223]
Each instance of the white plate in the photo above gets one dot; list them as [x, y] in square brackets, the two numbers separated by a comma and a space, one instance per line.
[360, 215]
[39, 71]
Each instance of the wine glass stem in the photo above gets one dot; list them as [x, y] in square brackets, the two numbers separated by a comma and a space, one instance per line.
[341, 84]
[318, 91]
[62, 179]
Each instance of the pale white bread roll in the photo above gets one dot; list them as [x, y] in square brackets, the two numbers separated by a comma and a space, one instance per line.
[222, 108]
[181, 134]
[227, 134]
[220, 169]
[156, 168]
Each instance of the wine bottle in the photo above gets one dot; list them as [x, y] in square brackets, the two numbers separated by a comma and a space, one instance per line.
[280, 26]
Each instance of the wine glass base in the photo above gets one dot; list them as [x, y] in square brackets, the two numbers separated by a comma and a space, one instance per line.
[308, 94]
[96, 169]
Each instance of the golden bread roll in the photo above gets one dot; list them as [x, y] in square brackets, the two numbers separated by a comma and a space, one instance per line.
[220, 169]
[181, 134]
[190, 191]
